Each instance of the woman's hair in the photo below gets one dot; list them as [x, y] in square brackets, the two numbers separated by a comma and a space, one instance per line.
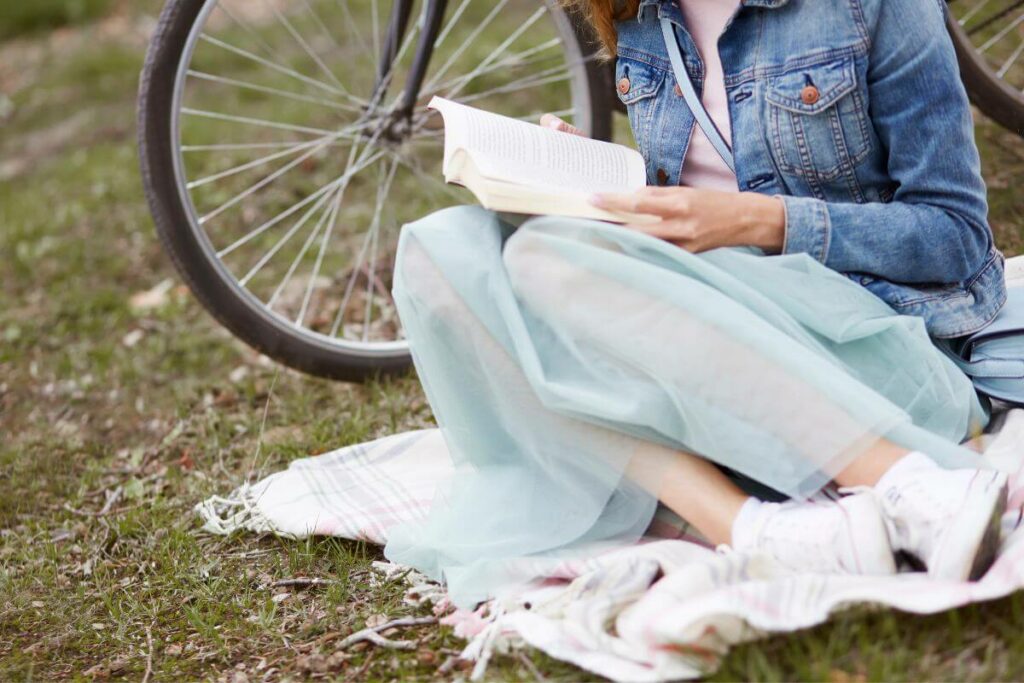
[602, 15]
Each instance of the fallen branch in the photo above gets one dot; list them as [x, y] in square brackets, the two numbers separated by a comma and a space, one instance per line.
[372, 634]
[99, 514]
[302, 581]
[149, 655]
[111, 499]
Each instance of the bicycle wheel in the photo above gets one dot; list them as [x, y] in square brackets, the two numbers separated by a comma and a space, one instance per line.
[989, 40]
[279, 170]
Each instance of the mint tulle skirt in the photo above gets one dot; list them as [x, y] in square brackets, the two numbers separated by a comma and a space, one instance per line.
[564, 358]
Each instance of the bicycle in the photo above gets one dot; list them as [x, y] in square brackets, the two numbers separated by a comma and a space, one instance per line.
[278, 182]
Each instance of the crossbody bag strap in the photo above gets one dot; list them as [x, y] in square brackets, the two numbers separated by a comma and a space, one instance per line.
[692, 100]
[987, 368]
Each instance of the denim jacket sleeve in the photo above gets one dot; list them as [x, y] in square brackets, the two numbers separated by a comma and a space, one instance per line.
[935, 228]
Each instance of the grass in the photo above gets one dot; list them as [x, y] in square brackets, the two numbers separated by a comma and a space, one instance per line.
[165, 408]
[20, 18]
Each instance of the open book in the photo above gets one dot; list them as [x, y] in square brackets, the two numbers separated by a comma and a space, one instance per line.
[519, 167]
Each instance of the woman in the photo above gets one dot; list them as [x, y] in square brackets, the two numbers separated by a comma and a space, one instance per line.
[775, 331]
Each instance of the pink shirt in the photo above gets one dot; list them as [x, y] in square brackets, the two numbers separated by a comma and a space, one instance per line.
[703, 167]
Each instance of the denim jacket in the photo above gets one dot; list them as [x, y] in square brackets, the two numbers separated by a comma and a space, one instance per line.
[876, 163]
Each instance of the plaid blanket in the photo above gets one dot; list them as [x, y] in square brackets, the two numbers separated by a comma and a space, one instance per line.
[666, 608]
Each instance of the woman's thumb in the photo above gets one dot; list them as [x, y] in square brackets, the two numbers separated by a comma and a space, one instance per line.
[553, 122]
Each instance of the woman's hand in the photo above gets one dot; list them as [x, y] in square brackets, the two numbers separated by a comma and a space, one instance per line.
[554, 123]
[698, 219]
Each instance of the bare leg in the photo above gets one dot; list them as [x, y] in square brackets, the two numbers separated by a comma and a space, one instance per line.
[869, 467]
[691, 487]
[701, 494]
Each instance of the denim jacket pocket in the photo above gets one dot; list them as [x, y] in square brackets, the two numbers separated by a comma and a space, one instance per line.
[637, 85]
[816, 121]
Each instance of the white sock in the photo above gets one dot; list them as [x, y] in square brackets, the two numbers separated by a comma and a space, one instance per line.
[914, 461]
[745, 526]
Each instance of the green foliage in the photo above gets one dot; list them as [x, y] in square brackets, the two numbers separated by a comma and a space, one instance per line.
[19, 17]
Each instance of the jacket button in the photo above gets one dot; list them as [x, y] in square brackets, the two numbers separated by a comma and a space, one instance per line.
[678, 91]
[810, 94]
[623, 85]
[662, 177]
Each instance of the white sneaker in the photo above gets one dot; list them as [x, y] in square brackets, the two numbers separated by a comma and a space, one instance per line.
[847, 536]
[947, 519]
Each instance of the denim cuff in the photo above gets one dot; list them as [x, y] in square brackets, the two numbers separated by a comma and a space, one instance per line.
[808, 227]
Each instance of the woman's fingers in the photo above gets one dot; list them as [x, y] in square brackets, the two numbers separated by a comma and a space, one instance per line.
[659, 201]
[554, 123]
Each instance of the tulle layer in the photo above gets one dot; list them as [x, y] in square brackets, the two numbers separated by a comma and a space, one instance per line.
[565, 358]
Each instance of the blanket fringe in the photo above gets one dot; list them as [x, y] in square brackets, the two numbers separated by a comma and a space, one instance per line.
[481, 647]
[238, 512]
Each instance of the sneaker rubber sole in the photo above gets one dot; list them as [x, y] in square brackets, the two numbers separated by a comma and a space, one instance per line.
[972, 541]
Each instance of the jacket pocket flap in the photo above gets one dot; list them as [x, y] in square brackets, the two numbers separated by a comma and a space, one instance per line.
[830, 81]
[641, 80]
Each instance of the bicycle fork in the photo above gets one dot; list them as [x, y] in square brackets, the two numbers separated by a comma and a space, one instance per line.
[398, 24]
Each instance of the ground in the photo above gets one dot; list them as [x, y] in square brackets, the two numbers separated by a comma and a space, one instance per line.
[122, 404]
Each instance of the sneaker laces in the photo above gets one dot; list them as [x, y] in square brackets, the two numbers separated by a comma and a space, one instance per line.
[786, 537]
[908, 519]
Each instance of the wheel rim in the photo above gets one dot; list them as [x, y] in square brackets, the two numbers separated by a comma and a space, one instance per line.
[995, 29]
[296, 178]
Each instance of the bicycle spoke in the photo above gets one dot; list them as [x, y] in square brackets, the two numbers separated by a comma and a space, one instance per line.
[480, 28]
[994, 18]
[513, 61]
[430, 179]
[553, 75]
[266, 225]
[351, 23]
[311, 283]
[254, 122]
[249, 165]
[307, 48]
[242, 146]
[348, 174]
[295, 264]
[245, 26]
[257, 186]
[534, 81]
[277, 219]
[999, 36]
[971, 13]
[514, 36]
[1010, 61]
[323, 245]
[375, 35]
[334, 104]
[288, 71]
[451, 23]
[282, 241]
[319, 22]
[382, 192]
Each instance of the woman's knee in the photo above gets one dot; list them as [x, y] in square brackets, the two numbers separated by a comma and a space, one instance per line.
[535, 267]
[461, 234]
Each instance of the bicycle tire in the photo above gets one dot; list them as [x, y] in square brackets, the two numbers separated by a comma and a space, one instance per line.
[245, 318]
[992, 95]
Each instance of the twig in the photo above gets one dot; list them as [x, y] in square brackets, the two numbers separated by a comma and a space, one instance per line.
[111, 499]
[448, 665]
[528, 663]
[101, 513]
[372, 634]
[302, 581]
[149, 655]
[365, 665]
